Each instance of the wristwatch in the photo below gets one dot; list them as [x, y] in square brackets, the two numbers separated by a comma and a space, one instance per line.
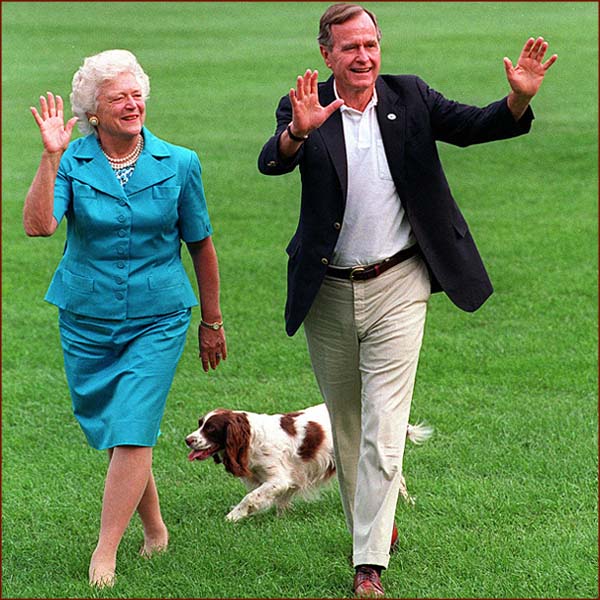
[214, 326]
[295, 137]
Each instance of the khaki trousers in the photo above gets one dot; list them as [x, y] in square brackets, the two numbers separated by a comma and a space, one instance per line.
[364, 339]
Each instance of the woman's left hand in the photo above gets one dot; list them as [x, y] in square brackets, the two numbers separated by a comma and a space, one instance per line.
[212, 347]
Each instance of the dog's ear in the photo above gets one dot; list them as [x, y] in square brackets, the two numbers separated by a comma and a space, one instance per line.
[237, 443]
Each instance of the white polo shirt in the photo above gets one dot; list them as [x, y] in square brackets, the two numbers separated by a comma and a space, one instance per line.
[375, 226]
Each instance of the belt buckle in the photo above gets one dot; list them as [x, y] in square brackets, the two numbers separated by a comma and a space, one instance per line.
[356, 270]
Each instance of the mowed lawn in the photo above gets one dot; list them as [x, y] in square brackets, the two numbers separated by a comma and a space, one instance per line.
[507, 487]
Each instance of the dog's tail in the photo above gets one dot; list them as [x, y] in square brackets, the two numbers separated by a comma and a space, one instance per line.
[419, 433]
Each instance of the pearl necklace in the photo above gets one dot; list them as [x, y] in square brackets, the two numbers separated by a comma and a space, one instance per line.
[130, 159]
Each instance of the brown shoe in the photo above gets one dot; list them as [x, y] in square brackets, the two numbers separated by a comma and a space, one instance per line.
[367, 583]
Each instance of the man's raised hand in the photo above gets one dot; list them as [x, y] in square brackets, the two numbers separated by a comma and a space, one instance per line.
[307, 112]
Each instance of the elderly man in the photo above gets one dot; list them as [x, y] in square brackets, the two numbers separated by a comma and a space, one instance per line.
[379, 231]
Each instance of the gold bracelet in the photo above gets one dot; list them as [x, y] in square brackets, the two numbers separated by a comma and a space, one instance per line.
[214, 326]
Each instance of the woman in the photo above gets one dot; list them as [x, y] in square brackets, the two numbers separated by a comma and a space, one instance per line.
[123, 295]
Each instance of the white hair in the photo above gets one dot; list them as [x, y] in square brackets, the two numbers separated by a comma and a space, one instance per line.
[97, 70]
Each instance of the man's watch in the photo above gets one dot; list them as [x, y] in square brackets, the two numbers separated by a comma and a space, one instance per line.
[214, 326]
[295, 137]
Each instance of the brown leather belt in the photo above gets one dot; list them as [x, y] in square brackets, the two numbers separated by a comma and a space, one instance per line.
[370, 271]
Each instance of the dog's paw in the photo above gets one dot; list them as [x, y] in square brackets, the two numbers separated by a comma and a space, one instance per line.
[235, 515]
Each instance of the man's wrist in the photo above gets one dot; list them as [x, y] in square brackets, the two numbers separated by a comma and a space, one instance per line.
[517, 104]
[296, 136]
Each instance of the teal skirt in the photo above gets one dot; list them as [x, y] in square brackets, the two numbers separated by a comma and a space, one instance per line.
[120, 372]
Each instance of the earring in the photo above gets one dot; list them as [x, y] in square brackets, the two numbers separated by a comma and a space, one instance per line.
[93, 121]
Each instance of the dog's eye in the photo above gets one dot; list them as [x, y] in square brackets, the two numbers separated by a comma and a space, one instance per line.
[200, 423]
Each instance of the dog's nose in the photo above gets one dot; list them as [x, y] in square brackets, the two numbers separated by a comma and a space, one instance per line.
[189, 440]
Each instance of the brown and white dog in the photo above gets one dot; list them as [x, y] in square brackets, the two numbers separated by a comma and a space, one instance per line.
[276, 456]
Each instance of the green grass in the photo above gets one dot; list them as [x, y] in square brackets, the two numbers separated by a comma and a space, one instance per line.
[507, 488]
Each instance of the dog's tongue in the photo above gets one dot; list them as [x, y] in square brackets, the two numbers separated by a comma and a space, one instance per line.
[199, 454]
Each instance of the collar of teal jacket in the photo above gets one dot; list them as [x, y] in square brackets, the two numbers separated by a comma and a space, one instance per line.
[93, 169]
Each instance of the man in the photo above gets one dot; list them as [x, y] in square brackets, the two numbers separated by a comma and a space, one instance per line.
[378, 232]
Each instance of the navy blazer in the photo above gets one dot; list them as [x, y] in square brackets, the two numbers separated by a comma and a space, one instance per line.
[412, 118]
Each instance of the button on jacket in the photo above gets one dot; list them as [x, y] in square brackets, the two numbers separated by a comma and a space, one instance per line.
[122, 256]
[412, 118]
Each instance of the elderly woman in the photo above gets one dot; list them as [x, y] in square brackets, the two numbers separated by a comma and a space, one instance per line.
[123, 295]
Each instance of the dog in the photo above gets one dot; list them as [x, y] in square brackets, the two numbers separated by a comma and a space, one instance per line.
[278, 456]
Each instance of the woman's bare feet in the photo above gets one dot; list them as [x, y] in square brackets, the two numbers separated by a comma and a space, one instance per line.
[155, 542]
[102, 571]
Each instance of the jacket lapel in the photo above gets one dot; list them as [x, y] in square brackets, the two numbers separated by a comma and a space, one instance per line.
[332, 132]
[150, 170]
[391, 116]
[95, 171]
[98, 174]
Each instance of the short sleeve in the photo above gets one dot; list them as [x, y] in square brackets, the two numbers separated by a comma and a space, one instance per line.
[194, 223]
[62, 194]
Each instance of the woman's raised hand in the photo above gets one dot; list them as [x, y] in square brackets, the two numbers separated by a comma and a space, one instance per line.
[51, 121]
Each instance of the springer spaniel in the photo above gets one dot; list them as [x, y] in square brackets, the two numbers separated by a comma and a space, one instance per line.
[276, 456]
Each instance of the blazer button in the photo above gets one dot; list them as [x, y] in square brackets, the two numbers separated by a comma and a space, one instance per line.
[324, 261]
[119, 296]
[122, 233]
[121, 218]
[337, 225]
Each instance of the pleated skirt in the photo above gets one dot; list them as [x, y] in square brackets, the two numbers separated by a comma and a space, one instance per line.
[120, 373]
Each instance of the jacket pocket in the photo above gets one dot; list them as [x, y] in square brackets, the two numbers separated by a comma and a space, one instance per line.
[165, 206]
[78, 283]
[166, 280]
[83, 190]
[166, 193]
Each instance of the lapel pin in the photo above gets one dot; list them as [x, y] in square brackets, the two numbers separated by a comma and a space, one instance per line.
[391, 116]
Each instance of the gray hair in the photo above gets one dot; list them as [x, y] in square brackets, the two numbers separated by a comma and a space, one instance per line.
[97, 70]
[337, 14]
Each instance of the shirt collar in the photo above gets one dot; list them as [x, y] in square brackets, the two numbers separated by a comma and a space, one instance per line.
[372, 102]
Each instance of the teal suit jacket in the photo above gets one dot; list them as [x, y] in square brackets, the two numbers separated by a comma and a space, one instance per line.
[122, 256]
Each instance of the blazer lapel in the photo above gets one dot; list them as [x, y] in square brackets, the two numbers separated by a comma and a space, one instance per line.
[96, 171]
[98, 174]
[332, 132]
[391, 115]
[150, 170]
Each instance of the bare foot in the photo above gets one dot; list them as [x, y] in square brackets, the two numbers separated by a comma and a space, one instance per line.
[102, 571]
[154, 543]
